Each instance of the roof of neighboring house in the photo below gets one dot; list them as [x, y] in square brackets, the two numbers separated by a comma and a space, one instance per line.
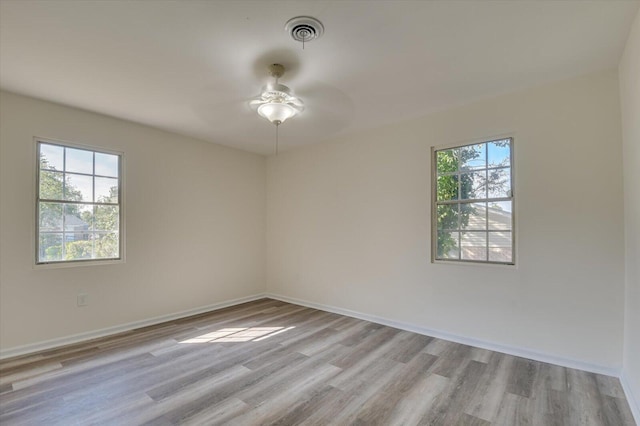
[71, 221]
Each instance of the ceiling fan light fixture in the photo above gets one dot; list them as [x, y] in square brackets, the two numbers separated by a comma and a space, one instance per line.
[276, 112]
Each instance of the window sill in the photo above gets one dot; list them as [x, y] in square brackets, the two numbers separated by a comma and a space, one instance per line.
[473, 263]
[77, 263]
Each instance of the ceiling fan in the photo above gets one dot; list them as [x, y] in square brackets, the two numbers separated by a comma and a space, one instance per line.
[329, 107]
[276, 102]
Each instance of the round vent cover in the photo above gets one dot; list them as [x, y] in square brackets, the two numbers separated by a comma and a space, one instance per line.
[304, 28]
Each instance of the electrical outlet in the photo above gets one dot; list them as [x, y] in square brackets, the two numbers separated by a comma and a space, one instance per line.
[83, 299]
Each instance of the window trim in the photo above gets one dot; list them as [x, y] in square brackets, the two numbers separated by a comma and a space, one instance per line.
[434, 204]
[36, 188]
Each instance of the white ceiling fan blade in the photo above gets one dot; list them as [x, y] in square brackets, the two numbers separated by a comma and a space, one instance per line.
[256, 102]
[326, 106]
[297, 103]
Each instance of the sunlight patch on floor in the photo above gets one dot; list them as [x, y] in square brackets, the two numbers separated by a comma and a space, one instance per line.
[240, 334]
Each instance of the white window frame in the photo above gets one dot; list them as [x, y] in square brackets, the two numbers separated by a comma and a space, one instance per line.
[121, 223]
[435, 203]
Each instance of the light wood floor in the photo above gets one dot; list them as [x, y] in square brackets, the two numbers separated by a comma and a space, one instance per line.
[269, 362]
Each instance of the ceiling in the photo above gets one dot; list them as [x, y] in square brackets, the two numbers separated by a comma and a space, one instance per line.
[191, 66]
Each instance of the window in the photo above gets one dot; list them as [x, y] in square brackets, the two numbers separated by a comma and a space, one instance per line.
[79, 208]
[472, 217]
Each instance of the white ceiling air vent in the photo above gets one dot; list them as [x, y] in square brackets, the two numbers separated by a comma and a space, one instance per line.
[304, 28]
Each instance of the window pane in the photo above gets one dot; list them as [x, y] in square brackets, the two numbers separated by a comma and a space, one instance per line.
[473, 216]
[500, 249]
[447, 188]
[474, 245]
[51, 184]
[78, 218]
[50, 216]
[500, 239]
[447, 245]
[106, 164]
[79, 188]
[499, 182]
[473, 157]
[500, 215]
[500, 246]
[499, 153]
[107, 246]
[500, 255]
[107, 218]
[78, 246]
[447, 217]
[79, 161]
[447, 161]
[50, 247]
[51, 157]
[473, 185]
[106, 190]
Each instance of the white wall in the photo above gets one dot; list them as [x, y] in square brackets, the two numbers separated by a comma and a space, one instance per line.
[194, 226]
[348, 225]
[630, 101]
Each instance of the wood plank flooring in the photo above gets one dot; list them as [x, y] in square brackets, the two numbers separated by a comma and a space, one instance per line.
[268, 362]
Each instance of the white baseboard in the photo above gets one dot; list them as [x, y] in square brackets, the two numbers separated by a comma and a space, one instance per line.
[80, 337]
[497, 347]
[634, 402]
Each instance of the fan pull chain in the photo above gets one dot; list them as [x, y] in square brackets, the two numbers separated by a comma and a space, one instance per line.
[277, 139]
